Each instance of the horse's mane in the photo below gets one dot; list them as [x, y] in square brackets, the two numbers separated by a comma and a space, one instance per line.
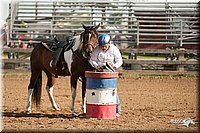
[78, 42]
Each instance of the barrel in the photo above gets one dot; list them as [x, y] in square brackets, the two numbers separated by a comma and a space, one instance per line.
[101, 91]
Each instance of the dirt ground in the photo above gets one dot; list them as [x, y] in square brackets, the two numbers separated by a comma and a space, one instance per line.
[150, 100]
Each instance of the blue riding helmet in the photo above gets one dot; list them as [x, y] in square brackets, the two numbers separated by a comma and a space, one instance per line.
[103, 39]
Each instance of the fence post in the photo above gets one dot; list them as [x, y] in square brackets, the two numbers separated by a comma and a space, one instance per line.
[181, 55]
[181, 34]
[181, 58]
[138, 34]
[136, 66]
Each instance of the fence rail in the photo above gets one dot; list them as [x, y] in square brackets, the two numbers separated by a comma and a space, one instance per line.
[154, 51]
[125, 61]
[160, 62]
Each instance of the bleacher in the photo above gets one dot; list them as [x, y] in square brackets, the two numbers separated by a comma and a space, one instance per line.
[133, 26]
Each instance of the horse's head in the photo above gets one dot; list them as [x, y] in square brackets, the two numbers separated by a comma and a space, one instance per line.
[89, 39]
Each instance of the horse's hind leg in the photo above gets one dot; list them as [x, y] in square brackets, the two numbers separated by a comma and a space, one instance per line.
[33, 80]
[49, 88]
[28, 106]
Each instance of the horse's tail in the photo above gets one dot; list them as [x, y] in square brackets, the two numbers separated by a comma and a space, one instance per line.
[37, 91]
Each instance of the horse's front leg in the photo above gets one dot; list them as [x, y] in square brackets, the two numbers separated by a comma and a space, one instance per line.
[83, 95]
[73, 81]
[49, 89]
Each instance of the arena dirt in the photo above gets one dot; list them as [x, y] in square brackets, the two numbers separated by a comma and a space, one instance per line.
[150, 100]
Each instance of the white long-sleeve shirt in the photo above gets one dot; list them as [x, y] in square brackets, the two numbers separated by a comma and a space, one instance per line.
[99, 57]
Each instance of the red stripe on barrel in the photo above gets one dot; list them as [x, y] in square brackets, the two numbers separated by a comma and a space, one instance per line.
[91, 74]
[107, 111]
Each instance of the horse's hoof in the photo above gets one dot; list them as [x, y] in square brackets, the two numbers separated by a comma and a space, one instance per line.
[74, 114]
[82, 115]
[28, 112]
[57, 109]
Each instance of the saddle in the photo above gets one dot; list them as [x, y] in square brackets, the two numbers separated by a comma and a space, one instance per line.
[59, 47]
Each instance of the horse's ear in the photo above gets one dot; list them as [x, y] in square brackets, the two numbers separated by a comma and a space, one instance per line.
[96, 27]
[83, 26]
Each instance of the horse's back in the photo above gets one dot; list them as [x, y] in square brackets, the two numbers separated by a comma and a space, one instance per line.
[41, 58]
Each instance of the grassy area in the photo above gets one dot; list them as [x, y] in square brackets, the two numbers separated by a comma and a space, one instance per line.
[145, 56]
[124, 74]
[161, 75]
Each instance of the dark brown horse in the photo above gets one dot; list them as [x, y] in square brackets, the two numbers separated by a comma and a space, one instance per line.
[76, 58]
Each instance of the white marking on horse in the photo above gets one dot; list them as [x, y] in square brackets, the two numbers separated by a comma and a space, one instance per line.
[28, 107]
[73, 90]
[68, 54]
[89, 36]
[50, 93]
[84, 105]
[50, 64]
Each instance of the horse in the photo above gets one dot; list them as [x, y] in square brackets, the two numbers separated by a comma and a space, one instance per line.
[77, 60]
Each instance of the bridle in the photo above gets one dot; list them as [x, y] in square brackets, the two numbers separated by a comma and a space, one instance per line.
[89, 44]
[84, 53]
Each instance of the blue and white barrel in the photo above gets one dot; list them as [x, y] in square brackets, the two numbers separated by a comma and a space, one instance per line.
[101, 90]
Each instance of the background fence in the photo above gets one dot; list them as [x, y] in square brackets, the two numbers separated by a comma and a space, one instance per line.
[133, 26]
